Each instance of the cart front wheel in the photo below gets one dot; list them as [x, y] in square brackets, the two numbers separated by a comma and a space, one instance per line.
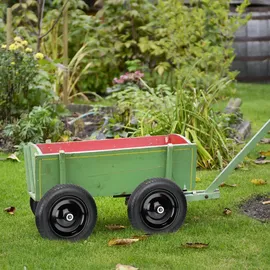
[33, 205]
[66, 212]
[156, 206]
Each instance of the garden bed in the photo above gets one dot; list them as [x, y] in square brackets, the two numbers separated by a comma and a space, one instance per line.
[255, 208]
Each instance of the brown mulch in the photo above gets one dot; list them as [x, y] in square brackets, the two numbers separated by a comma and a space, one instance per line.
[255, 208]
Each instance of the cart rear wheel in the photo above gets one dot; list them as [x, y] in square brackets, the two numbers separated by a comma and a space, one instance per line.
[66, 212]
[157, 205]
[33, 205]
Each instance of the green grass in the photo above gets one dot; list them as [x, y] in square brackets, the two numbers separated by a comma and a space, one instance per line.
[235, 242]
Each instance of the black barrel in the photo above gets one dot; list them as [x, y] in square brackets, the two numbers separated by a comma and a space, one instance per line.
[252, 45]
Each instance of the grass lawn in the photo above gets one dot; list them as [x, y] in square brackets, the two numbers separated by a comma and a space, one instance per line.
[235, 241]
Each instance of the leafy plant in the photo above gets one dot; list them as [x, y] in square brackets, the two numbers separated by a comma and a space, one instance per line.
[40, 124]
[78, 27]
[199, 36]
[167, 38]
[2, 25]
[18, 68]
[163, 111]
[112, 40]
[23, 84]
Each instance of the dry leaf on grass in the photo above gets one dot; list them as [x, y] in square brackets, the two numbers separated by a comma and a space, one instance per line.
[258, 182]
[115, 227]
[227, 185]
[266, 202]
[265, 140]
[122, 242]
[125, 267]
[13, 157]
[265, 153]
[195, 245]
[64, 138]
[261, 160]
[10, 210]
[140, 237]
[227, 211]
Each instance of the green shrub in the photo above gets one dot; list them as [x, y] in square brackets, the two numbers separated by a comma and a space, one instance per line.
[40, 124]
[167, 37]
[26, 93]
[199, 36]
[23, 84]
[112, 40]
[18, 68]
[163, 111]
[2, 25]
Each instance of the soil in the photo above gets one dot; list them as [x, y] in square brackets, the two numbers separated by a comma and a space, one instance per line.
[255, 208]
[90, 121]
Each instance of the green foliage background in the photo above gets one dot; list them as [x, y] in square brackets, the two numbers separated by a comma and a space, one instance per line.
[167, 37]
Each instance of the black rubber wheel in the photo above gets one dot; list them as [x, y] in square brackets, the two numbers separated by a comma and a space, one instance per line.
[33, 205]
[66, 212]
[157, 206]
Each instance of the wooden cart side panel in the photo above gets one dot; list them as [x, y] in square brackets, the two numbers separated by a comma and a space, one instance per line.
[30, 152]
[47, 174]
[27, 168]
[184, 166]
[115, 172]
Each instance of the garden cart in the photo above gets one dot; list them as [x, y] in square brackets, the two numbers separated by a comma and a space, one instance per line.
[156, 174]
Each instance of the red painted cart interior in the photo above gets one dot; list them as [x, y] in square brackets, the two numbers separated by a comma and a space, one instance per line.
[95, 145]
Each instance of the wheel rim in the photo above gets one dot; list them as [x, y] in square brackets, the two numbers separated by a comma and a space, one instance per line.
[68, 216]
[158, 210]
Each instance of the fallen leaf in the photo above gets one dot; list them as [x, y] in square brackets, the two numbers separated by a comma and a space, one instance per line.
[196, 218]
[227, 211]
[122, 242]
[258, 182]
[198, 179]
[64, 138]
[13, 157]
[266, 202]
[125, 267]
[195, 245]
[261, 160]
[115, 227]
[265, 140]
[227, 185]
[140, 237]
[10, 210]
[265, 154]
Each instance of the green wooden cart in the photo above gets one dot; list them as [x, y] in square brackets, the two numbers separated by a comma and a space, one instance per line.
[156, 175]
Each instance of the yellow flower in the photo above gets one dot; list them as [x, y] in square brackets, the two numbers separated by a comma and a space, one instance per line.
[28, 50]
[4, 46]
[17, 39]
[39, 56]
[13, 47]
[12, 63]
[19, 45]
[25, 43]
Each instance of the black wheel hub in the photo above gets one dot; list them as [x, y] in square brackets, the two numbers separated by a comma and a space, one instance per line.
[68, 216]
[158, 209]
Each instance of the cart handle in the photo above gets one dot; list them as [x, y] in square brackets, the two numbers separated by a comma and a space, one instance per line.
[239, 157]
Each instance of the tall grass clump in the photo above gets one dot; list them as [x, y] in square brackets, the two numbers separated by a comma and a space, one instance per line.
[162, 110]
